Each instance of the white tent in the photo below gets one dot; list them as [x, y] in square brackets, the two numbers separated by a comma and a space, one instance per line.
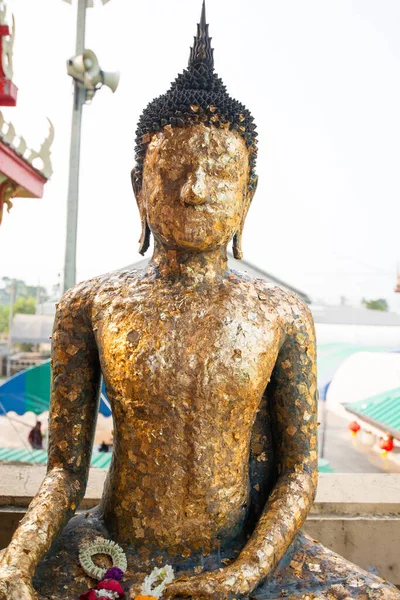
[361, 376]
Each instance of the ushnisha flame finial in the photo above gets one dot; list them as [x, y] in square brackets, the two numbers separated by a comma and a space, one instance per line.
[202, 53]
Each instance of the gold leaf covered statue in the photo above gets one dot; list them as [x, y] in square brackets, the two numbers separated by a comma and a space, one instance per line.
[212, 380]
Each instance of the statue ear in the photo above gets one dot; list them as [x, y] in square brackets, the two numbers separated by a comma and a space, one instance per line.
[237, 238]
[144, 241]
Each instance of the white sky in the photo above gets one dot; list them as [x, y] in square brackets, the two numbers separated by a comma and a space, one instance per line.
[322, 80]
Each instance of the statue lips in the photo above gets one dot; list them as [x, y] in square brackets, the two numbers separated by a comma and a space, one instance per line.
[194, 200]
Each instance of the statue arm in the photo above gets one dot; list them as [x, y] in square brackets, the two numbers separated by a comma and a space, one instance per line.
[292, 396]
[73, 413]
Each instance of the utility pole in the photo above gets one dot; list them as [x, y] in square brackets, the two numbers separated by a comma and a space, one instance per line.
[88, 78]
[74, 158]
[13, 289]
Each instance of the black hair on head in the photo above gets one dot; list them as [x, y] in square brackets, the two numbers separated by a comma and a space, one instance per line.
[197, 95]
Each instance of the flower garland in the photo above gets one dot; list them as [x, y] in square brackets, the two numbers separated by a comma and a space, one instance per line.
[101, 546]
[155, 583]
[109, 587]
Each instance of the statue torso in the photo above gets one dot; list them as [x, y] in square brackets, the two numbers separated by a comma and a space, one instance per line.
[185, 370]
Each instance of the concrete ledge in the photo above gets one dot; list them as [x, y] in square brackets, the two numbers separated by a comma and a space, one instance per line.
[19, 484]
[356, 515]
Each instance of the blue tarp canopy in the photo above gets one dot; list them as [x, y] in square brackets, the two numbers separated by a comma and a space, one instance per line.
[29, 391]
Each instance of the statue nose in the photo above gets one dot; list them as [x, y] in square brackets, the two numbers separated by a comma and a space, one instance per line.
[195, 189]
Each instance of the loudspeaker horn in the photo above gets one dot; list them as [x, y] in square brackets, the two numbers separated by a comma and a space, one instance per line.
[111, 79]
[84, 66]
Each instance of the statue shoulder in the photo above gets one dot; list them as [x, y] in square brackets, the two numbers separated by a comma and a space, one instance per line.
[78, 297]
[294, 312]
[83, 296]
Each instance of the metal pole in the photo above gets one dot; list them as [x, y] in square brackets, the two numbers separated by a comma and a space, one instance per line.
[10, 320]
[74, 159]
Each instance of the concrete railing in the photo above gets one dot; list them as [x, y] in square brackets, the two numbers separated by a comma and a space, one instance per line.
[356, 515]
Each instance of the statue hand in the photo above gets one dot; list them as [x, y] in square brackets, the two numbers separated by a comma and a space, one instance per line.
[235, 579]
[14, 585]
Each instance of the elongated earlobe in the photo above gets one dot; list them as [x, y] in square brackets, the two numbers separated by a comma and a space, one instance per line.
[237, 238]
[144, 241]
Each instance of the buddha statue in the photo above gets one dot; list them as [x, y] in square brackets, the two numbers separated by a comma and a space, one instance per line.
[212, 380]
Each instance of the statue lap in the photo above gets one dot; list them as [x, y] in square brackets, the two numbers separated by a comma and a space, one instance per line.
[308, 571]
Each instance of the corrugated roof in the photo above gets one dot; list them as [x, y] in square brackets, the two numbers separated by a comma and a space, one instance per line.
[101, 460]
[381, 411]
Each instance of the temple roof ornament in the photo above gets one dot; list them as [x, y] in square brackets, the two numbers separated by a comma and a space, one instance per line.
[23, 170]
[8, 90]
[7, 42]
[43, 154]
[17, 143]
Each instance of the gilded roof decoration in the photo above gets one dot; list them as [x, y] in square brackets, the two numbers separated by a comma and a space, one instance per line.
[7, 42]
[40, 159]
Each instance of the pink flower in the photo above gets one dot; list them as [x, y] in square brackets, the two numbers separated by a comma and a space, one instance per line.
[90, 595]
[112, 586]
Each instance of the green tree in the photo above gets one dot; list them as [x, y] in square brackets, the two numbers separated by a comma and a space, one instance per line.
[25, 306]
[379, 304]
[24, 290]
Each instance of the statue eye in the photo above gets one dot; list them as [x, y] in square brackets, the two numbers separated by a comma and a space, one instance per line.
[223, 171]
[172, 174]
[175, 172]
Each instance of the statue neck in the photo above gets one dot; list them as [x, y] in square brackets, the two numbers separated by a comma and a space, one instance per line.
[190, 267]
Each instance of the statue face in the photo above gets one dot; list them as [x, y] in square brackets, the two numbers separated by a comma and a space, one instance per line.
[195, 186]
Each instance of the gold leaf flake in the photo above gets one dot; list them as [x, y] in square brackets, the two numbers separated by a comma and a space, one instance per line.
[297, 566]
[291, 430]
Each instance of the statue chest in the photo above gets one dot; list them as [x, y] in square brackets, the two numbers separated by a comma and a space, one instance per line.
[185, 355]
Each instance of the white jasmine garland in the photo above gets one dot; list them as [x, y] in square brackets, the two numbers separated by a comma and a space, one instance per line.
[106, 594]
[159, 578]
[101, 546]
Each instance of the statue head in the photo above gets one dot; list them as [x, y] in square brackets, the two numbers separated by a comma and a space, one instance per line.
[196, 152]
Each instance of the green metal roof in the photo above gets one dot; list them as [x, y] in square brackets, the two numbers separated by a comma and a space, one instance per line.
[101, 460]
[382, 411]
[324, 466]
